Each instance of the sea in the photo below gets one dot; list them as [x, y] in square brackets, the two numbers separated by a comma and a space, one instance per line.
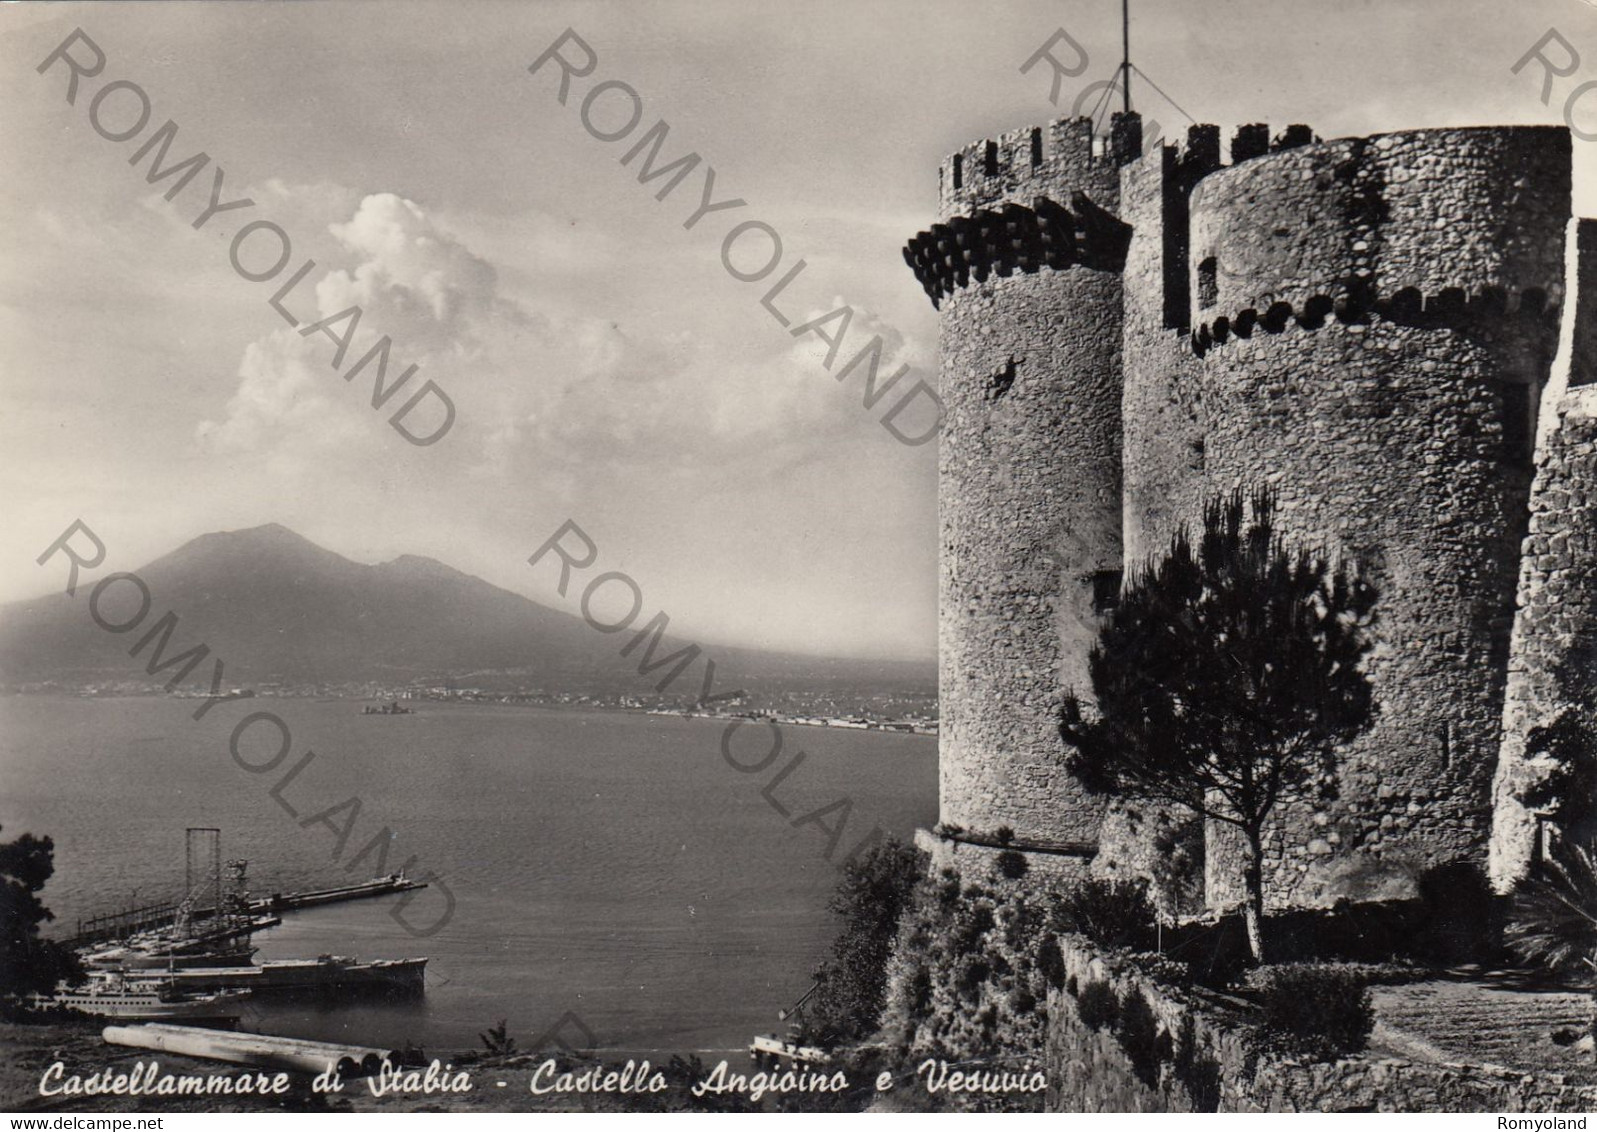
[630, 883]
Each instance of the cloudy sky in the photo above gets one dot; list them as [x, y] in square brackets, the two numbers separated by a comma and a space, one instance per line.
[604, 364]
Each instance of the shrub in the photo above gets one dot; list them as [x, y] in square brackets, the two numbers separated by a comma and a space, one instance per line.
[1162, 969]
[1459, 918]
[1318, 1010]
[971, 972]
[1022, 924]
[1138, 1033]
[948, 890]
[1111, 913]
[1553, 919]
[1098, 1005]
[975, 921]
[970, 976]
[1051, 963]
[682, 1073]
[1012, 865]
[1216, 952]
[860, 1066]
[851, 982]
[920, 993]
[1197, 1070]
[1176, 886]
[497, 1040]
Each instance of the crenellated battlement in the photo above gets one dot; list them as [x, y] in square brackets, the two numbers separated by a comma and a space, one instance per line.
[1065, 156]
[1451, 308]
[1364, 221]
[1016, 238]
[1001, 198]
[1199, 153]
[1181, 170]
[1056, 161]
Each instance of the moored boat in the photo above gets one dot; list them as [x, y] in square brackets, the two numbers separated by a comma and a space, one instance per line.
[336, 973]
[115, 997]
[137, 958]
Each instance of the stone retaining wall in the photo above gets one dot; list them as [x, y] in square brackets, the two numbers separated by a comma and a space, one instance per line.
[1194, 1058]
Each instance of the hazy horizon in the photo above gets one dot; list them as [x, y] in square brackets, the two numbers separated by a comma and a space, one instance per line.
[606, 367]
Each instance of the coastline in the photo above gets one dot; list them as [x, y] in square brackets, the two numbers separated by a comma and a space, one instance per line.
[893, 725]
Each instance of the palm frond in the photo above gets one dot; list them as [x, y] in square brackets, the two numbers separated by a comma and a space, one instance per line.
[1553, 918]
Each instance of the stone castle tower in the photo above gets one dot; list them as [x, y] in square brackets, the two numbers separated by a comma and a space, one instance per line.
[1366, 326]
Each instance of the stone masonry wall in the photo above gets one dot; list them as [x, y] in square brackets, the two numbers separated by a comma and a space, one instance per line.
[1030, 467]
[1371, 319]
[1357, 219]
[1029, 514]
[1363, 325]
[1162, 408]
[1554, 655]
[1197, 1062]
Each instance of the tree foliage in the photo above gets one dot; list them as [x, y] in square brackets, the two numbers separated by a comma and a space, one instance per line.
[852, 981]
[1112, 913]
[1318, 1010]
[1226, 678]
[1567, 793]
[29, 964]
[1553, 917]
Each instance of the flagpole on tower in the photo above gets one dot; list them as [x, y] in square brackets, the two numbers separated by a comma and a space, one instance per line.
[1125, 54]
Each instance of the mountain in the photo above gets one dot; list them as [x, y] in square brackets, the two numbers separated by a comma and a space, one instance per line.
[278, 608]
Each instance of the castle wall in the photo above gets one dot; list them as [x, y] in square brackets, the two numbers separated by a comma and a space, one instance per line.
[1025, 269]
[1370, 317]
[1427, 211]
[1163, 413]
[1365, 326]
[1163, 404]
[1553, 659]
[1030, 513]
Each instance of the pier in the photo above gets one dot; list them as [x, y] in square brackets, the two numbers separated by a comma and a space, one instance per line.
[120, 925]
[377, 886]
[328, 973]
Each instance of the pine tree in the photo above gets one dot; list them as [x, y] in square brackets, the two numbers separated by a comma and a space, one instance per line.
[1225, 680]
[28, 963]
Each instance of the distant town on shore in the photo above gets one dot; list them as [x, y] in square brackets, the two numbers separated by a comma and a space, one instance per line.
[904, 712]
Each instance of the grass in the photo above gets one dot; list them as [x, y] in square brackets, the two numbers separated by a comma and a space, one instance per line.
[1484, 1021]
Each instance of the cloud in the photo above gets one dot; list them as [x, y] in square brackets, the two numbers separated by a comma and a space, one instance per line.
[539, 395]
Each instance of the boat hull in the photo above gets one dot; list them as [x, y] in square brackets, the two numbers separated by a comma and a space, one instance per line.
[285, 976]
[137, 1006]
[139, 959]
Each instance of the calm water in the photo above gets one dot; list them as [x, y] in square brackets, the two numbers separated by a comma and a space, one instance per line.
[608, 864]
